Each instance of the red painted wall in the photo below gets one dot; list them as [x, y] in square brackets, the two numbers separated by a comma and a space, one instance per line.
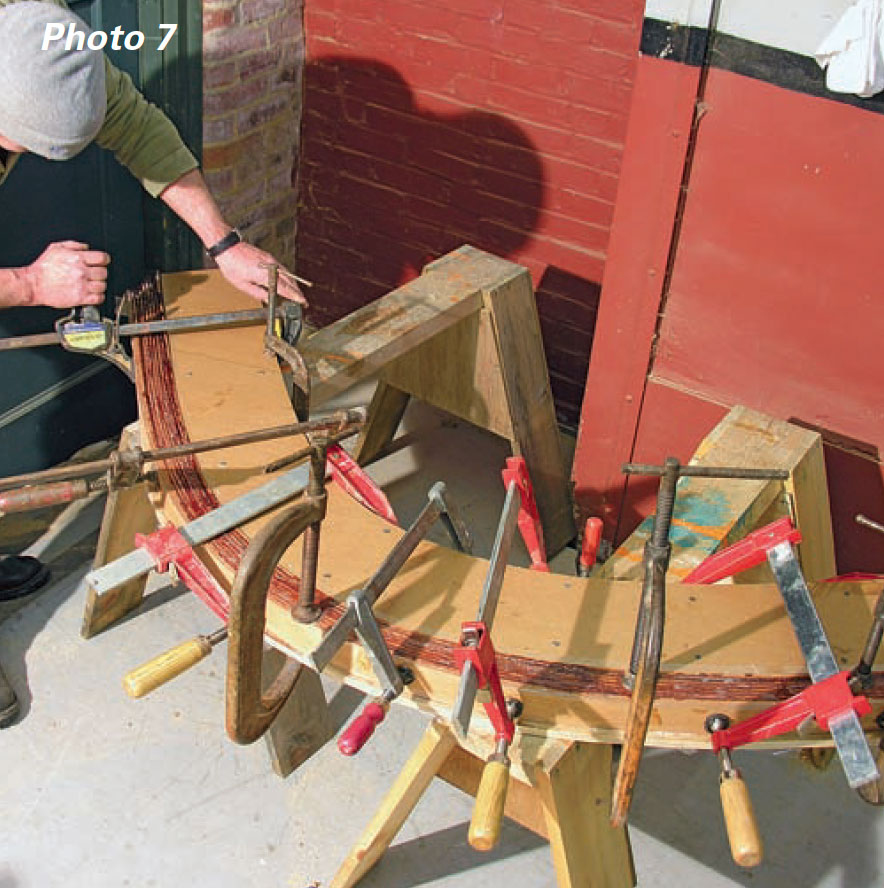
[436, 123]
[774, 300]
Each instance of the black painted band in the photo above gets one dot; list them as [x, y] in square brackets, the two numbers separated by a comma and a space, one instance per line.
[789, 70]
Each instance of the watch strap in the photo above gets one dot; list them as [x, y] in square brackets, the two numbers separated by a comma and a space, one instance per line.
[231, 239]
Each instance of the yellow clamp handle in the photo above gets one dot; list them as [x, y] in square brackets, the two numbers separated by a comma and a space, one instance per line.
[739, 820]
[490, 801]
[149, 676]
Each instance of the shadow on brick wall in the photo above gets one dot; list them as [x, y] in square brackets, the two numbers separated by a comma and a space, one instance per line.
[386, 185]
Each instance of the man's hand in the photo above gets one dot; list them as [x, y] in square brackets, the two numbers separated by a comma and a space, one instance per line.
[67, 274]
[242, 265]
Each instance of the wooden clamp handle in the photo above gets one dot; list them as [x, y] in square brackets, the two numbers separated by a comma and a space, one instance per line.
[490, 801]
[149, 676]
[739, 820]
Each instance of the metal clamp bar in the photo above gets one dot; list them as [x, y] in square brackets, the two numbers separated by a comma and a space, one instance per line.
[469, 678]
[356, 614]
[867, 522]
[337, 421]
[847, 732]
[250, 505]
[451, 518]
[710, 472]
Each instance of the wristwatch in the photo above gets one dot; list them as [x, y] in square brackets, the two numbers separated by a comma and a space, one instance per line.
[229, 240]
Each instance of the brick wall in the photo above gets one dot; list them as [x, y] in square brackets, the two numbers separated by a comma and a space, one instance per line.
[431, 123]
[252, 64]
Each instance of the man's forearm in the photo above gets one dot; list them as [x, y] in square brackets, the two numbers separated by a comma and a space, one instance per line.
[244, 265]
[14, 288]
[189, 198]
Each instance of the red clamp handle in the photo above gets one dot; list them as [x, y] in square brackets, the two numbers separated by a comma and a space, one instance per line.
[516, 472]
[822, 701]
[589, 548]
[746, 553]
[484, 660]
[359, 731]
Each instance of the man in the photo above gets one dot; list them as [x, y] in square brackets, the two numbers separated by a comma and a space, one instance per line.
[55, 102]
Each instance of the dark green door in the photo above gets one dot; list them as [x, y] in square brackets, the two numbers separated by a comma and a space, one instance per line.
[53, 402]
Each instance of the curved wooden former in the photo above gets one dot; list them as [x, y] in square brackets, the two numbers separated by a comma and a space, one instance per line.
[563, 642]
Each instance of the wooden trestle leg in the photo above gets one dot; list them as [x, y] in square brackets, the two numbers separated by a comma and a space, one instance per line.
[128, 511]
[573, 782]
[384, 415]
[410, 785]
[559, 789]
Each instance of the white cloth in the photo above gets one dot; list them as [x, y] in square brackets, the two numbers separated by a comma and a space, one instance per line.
[853, 53]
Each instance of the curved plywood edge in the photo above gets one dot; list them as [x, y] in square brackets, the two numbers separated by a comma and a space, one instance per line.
[563, 641]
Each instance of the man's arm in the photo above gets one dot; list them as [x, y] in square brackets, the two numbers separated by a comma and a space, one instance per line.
[66, 274]
[146, 141]
[243, 264]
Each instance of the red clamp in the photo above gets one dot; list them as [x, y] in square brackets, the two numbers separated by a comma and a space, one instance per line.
[824, 701]
[351, 477]
[484, 660]
[516, 472]
[168, 546]
[746, 553]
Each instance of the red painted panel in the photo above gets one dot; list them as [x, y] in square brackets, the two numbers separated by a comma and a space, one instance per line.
[660, 119]
[774, 298]
[855, 486]
[776, 295]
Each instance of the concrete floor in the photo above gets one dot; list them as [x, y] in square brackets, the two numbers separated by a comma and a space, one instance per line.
[100, 790]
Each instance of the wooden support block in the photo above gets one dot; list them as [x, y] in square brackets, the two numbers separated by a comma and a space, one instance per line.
[303, 725]
[558, 789]
[419, 771]
[711, 513]
[573, 781]
[128, 511]
[459, 371]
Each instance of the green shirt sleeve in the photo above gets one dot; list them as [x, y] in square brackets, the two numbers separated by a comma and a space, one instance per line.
[141, 137]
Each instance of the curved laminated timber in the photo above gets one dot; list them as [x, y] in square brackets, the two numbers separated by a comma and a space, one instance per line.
[563, 642]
